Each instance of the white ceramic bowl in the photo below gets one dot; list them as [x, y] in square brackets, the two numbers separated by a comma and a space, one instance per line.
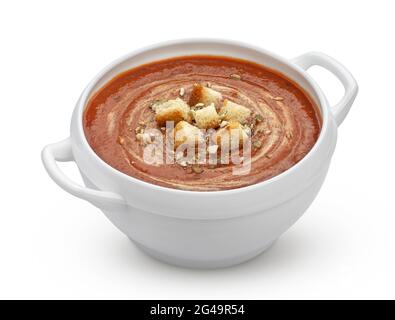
[204, 229]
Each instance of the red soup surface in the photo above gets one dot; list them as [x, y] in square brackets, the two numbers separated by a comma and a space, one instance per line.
[282, 122]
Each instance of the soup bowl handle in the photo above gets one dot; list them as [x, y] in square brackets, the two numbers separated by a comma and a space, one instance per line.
[62, 152]
[341, 109]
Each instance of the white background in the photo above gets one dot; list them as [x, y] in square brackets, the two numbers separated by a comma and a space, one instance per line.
[53, 245]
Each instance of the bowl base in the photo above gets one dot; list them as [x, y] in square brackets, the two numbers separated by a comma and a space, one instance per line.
[201, 264]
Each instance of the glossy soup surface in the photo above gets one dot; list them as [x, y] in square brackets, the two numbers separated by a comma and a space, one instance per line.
[288, 127]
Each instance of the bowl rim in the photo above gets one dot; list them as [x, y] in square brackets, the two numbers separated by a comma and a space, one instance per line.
[322, 104]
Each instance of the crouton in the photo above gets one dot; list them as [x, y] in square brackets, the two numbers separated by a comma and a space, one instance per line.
[205, 95]
[187, 134]
[212, 149]
[231, 111]
[207, 117]
[172, 110]
[231, 136]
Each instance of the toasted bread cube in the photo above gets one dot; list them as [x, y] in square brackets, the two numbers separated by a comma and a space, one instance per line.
[187, 134]
[172, 110]
[231, 111]
[205, 95]
[207, 117]
[231, 136]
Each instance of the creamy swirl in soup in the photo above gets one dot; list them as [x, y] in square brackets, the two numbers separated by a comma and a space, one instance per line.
[202, 98]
